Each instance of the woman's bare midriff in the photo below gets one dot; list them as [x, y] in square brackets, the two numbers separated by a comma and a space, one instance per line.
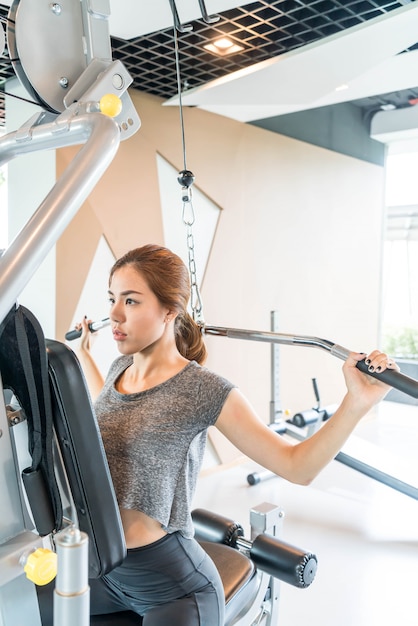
[140, 530]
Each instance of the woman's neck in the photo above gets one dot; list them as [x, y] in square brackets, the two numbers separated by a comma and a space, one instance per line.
[149, 371]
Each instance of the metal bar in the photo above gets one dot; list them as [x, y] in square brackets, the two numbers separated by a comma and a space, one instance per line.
[378, 475]
[391, 377]
[356, 464]
[270, 337]
[72, 592]
[101, 137]
[182, 28]
[209, 19]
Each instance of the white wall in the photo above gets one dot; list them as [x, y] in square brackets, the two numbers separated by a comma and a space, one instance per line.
[308, 245]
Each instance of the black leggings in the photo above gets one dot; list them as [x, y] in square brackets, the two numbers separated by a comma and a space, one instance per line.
[171, 581]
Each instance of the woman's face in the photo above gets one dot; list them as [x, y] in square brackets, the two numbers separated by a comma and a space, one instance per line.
[137, 316]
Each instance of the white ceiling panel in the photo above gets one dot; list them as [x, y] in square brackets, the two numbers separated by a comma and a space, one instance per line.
[357, 63]
[133, 18]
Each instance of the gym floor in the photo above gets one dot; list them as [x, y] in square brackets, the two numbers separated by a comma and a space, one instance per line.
[364, 533]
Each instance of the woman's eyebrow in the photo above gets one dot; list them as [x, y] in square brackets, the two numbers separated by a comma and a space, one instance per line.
[126, 293]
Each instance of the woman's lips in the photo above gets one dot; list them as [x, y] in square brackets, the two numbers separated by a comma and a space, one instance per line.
[118, 335]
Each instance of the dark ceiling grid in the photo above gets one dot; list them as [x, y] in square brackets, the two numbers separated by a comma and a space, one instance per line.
[264, 29]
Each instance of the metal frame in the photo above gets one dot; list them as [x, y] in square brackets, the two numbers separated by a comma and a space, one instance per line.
[391, 377]
[264, 610]
[101, 137]
[74, 120]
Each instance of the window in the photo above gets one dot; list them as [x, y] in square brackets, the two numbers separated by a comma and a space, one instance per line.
[400, 267]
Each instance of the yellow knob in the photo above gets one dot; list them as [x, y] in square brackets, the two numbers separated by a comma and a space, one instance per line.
[110, 105]
[41, 566]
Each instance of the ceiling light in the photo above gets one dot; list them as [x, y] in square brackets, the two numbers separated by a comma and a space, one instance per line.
[223, 47]
[341, 87]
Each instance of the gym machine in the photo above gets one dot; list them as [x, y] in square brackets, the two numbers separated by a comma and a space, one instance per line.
[59, 511]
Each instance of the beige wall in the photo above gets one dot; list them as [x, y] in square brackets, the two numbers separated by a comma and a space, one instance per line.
[300, 232]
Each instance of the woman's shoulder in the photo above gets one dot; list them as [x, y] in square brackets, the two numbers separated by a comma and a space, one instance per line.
[207, 376]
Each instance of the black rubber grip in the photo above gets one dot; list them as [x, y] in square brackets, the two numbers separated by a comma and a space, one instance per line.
[39, 500]
[397, 380]
[283, 561]
[310, 416]
[93, 327]
[256, 477]
[73, 334]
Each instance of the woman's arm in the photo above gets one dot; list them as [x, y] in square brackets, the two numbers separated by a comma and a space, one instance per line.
[92, 373]
[301, 462]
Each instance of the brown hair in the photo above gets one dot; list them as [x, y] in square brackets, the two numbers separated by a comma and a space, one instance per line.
[168, 278]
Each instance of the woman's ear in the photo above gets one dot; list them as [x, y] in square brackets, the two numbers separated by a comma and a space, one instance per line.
[170, 316]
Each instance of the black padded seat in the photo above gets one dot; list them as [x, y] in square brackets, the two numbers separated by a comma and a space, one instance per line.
[239, 578]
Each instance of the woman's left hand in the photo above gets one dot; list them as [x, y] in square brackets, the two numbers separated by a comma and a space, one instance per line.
[366, 389]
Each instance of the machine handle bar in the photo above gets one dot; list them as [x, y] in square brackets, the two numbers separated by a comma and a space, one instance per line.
[395, 379]
[93, 326]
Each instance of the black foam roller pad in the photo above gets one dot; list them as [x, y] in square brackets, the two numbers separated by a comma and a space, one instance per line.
[216, 528]
[283, 561]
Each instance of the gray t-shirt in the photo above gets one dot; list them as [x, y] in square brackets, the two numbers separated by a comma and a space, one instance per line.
[155, 440]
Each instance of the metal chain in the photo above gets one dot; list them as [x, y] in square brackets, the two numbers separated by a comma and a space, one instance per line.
[186, 179]
[188, 220]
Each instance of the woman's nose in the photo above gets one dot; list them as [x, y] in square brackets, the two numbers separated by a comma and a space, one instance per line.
[116, 314]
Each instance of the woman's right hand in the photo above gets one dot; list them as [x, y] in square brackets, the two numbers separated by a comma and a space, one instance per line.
[91, 371]
[86, 338]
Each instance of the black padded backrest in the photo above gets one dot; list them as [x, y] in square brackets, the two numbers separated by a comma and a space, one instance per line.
[24, 372]
[84, 460]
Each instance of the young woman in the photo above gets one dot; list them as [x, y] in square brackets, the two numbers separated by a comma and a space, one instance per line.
[154, 410]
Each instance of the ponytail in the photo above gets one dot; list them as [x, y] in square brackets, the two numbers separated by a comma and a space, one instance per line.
[189, 339]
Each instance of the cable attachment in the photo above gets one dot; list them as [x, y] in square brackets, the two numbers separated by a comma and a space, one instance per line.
[187, 28]
[209, 19]
[186, 180]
